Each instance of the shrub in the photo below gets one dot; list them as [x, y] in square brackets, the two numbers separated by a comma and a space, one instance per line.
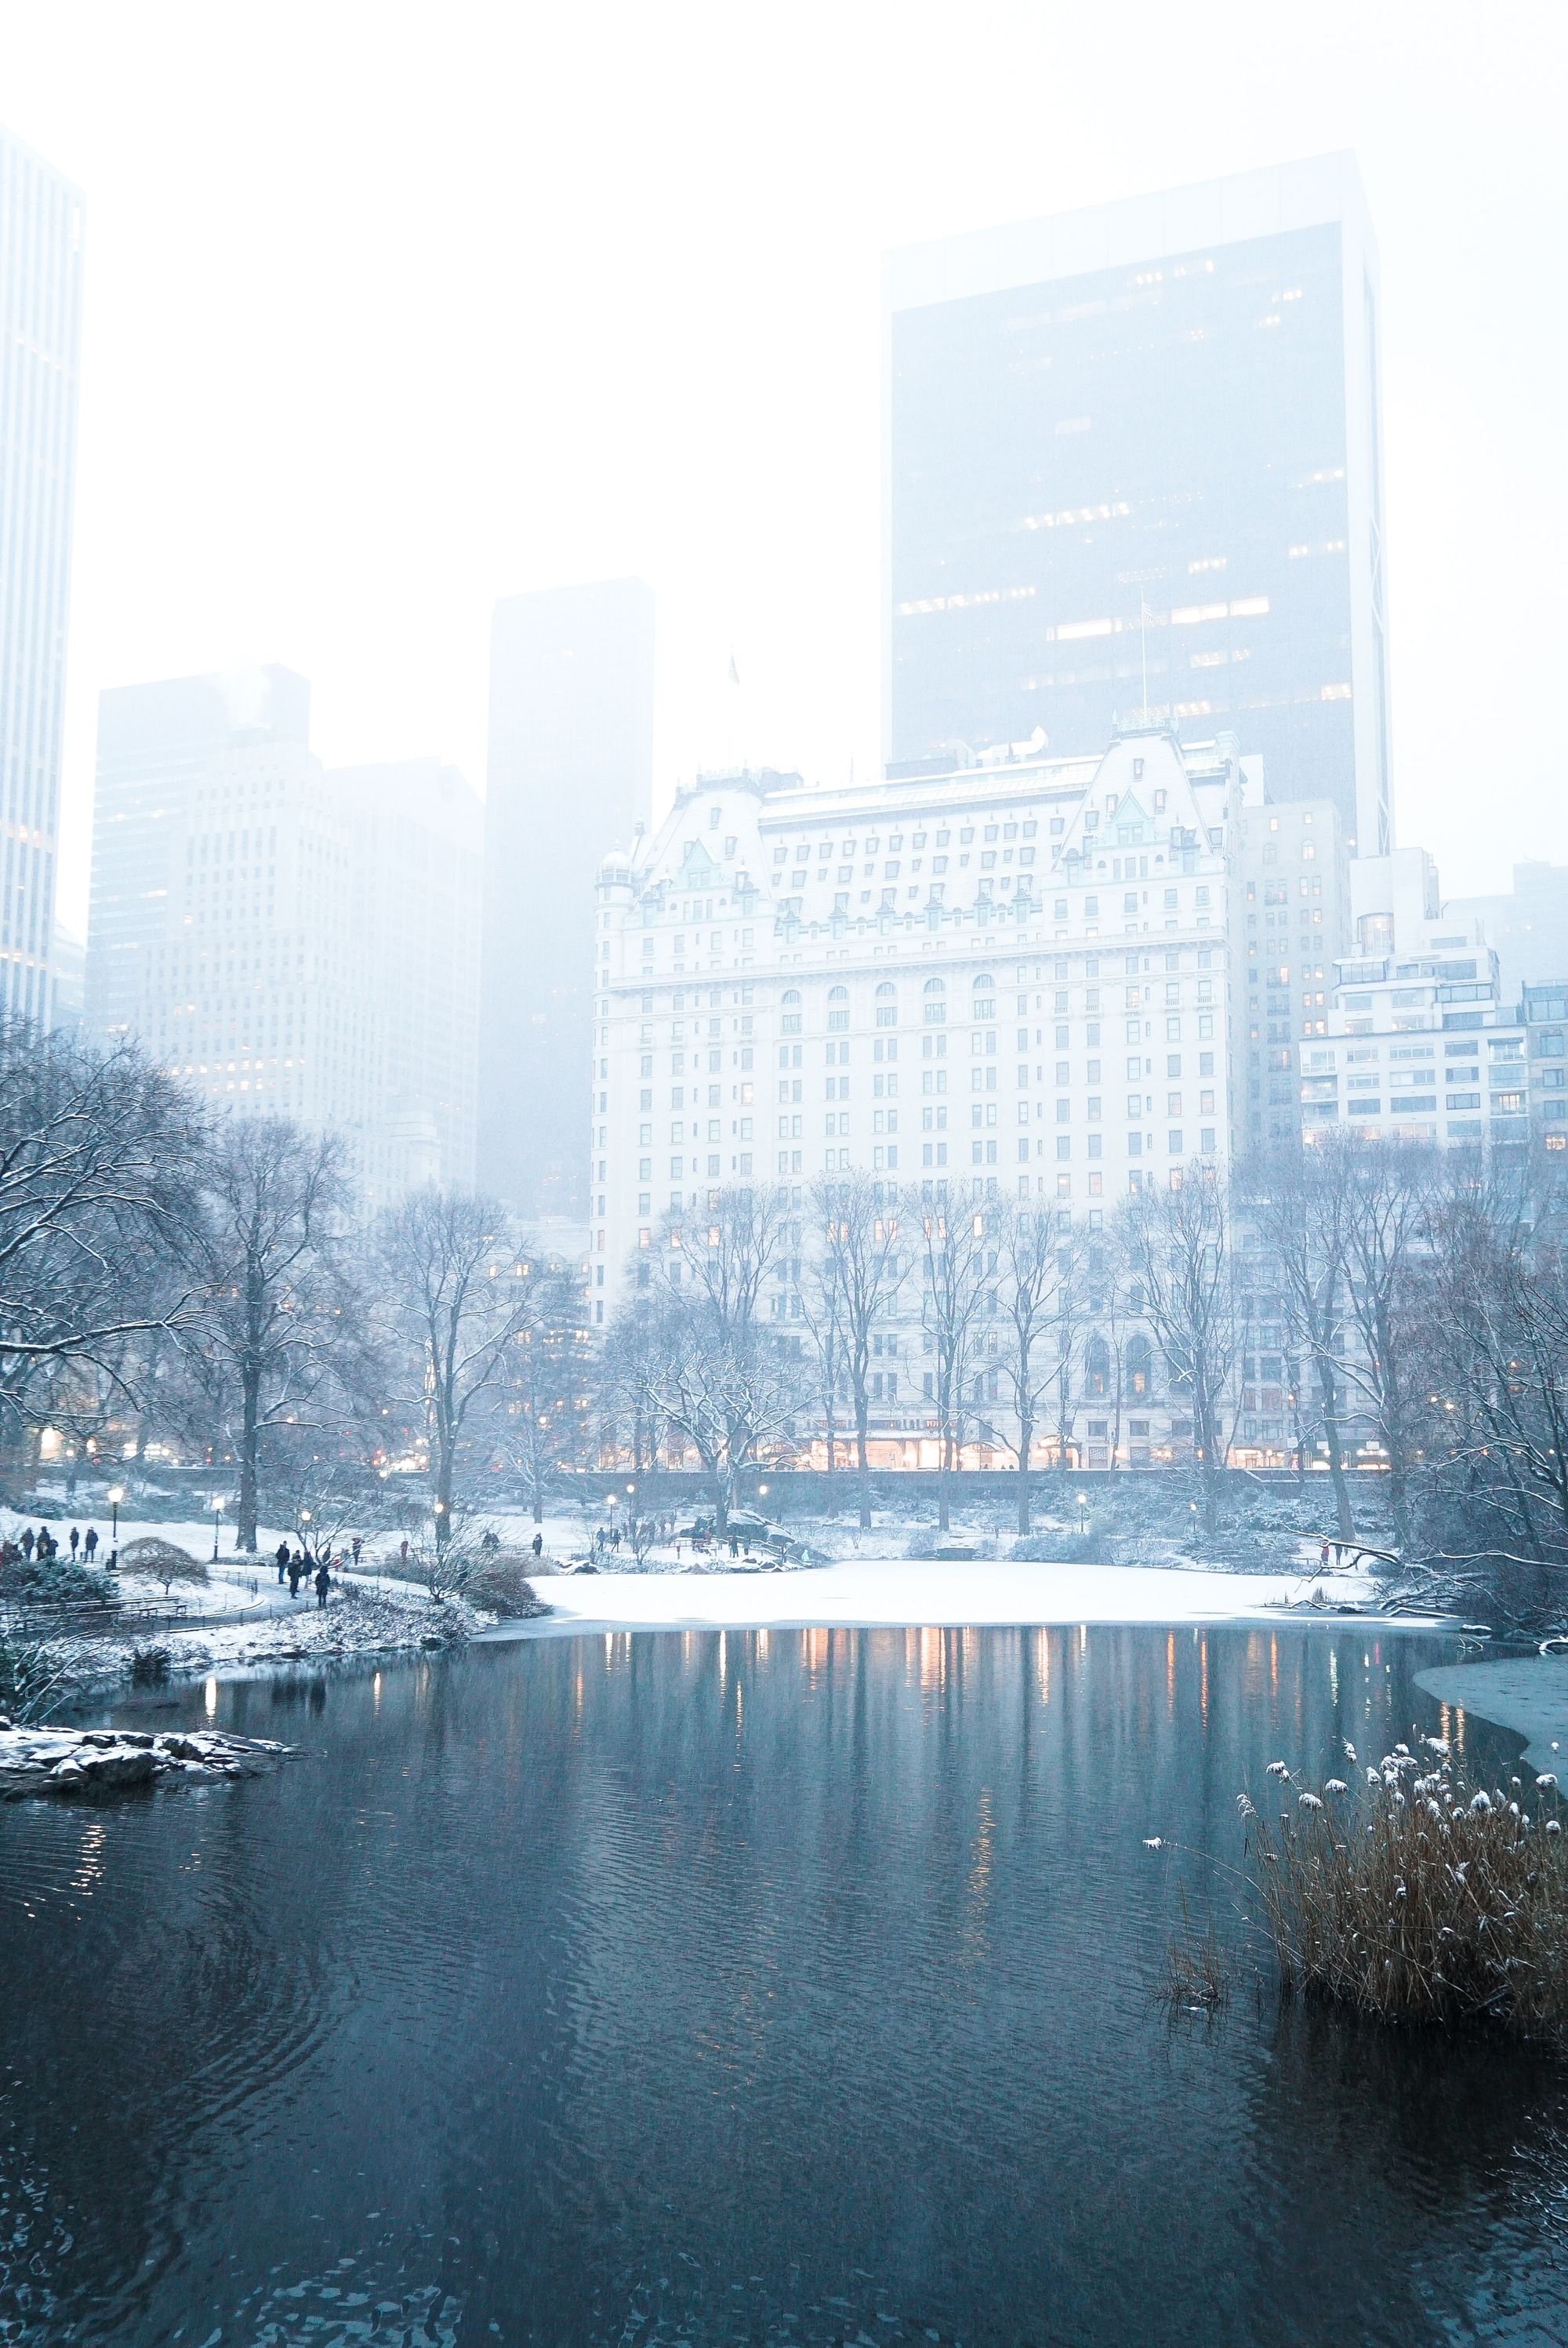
[152, 1559]
[497, 1583]
[1412, 1894]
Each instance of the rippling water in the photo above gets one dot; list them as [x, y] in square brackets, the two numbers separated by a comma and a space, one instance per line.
[760, 1987]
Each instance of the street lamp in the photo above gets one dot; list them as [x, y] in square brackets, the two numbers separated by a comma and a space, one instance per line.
[116, 1494]
[215, 1505]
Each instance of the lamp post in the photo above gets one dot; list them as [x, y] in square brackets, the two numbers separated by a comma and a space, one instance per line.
[217, 1507]
[116, 1494]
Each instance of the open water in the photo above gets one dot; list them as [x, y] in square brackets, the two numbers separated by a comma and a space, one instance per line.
[788, 1986]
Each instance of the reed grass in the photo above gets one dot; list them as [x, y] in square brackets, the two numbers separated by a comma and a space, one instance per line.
[1410, 1893]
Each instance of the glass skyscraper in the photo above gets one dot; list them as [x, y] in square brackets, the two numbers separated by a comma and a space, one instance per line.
[570, 771]
[1132, 474]
[40, 324]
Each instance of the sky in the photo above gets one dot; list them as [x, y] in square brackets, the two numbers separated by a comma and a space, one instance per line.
[392, 309]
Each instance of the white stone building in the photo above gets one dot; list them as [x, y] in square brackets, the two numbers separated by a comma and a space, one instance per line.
[1421, 1044]
[1011, 976]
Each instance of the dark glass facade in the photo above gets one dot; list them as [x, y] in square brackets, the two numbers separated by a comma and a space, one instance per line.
[1139, 472]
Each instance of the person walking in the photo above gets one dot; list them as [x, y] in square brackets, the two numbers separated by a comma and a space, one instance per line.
[27, 1539]
[76, 1537]
[280, 1559]
[538, 1544]
[296, 1570]
[358, 1544]
[323, 1583]
[90, 1546]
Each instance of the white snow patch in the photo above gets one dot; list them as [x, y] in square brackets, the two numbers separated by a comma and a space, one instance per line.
[897, 1592]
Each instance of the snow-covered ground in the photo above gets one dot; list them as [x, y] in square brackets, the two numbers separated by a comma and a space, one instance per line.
[899, 1593]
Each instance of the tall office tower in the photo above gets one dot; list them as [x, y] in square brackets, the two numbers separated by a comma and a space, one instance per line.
[283, 939]
[40, 321]
[418, 844]
[570, 773]
[1132, 473]
[157, 747]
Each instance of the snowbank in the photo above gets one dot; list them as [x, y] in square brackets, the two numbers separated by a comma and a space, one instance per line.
[1527, 1694]
[895, 1593]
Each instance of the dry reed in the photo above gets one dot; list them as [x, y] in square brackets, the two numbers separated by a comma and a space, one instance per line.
[1409, 1893]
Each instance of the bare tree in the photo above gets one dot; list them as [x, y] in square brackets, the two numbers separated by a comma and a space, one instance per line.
[857, 1251]
[281, 1324]
[1297, 1201]
[459, 1294]
[1177, 1247]
[1037, 1309]
[1497, 1359]
[97, 1154]
[1388, 1190]
[543, 1385]
[949, 1241]
[822, 1309]
[718, 1373]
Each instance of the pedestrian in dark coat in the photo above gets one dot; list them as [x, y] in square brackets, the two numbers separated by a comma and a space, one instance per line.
[280, 1559]
[323, 1583]
[90, 1546]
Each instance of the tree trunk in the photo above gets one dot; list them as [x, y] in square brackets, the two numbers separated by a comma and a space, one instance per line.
[862, 1454]
[249, 1439]
[832, 1458]
[1329, 1402]
[1025, 1446]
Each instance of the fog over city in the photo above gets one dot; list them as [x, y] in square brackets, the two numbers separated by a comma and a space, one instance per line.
[381, 323]
[783, 1175]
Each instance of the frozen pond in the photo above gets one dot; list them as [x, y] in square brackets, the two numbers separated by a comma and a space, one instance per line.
[745, 1986]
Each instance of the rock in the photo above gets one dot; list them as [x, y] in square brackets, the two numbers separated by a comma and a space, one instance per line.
[133, 1767]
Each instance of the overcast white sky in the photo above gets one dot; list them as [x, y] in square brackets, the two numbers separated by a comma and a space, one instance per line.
[394, 309]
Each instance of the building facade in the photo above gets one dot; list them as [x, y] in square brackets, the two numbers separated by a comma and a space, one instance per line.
[1132, 465]
[1012, 977]
[1289, 894]
[1543, 1015]
[40, 326]
[1421, 1041]
[1527, 925]
[570, 773]
[285, 939]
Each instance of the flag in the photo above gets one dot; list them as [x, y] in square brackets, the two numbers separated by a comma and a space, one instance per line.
[734, 672]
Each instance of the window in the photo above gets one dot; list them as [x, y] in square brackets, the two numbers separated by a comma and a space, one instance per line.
[935, 1009]
[887, 1004]
[790, 1023]
[837, 1007]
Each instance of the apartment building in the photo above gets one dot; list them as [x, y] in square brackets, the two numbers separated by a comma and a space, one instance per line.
[1288, 871]
[1421, 1044]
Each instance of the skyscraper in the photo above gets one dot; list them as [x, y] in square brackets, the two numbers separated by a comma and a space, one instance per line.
[570, 772]
[285, 939]
[1131, 466]
[40, 323]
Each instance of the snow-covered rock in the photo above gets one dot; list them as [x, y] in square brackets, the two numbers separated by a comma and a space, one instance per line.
[109, 1760]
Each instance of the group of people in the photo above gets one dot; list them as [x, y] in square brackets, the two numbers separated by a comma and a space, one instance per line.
[294, 1567]
[43, 1546]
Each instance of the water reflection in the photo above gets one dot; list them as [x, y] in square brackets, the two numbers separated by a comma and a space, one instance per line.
[782, 1986]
